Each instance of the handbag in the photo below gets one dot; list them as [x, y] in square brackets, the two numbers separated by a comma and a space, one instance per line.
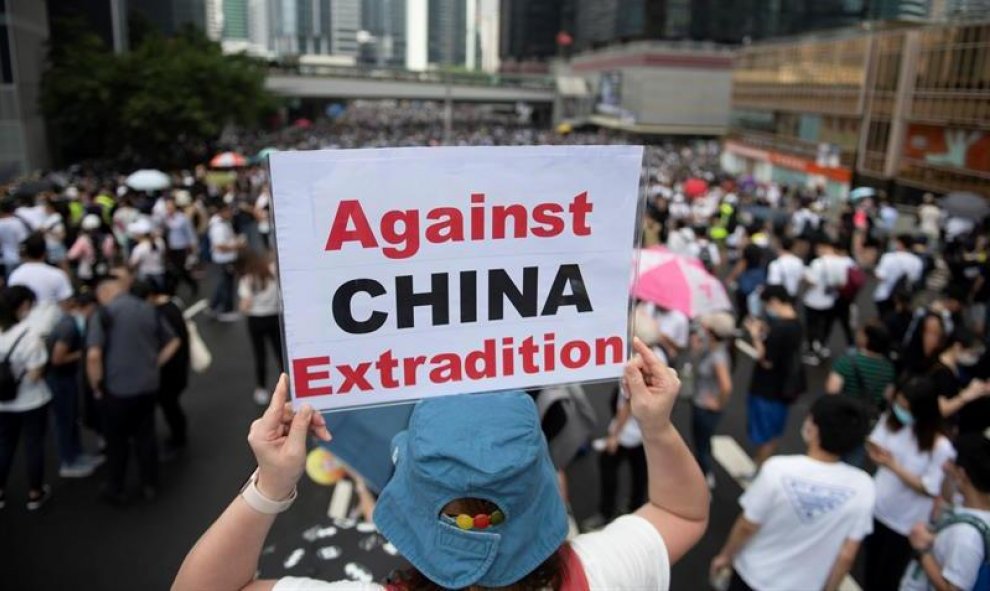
[200, 357]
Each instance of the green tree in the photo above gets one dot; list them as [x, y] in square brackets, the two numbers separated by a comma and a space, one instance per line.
[163, 104]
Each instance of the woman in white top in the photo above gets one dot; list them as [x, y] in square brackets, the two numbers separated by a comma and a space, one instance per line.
[147, 259]
[473, 501]
[908, 447]
[259, 301]
[26, 413]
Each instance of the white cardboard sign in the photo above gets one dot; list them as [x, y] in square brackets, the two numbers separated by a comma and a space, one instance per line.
[418, 272]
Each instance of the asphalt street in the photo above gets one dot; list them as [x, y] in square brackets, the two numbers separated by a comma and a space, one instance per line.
[78, 542]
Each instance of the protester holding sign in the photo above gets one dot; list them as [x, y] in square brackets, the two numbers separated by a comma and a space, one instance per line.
[514, 537]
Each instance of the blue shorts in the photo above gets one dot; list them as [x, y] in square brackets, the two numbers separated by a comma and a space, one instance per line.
[766, 419]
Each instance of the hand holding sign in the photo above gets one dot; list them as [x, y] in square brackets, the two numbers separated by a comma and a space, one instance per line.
[278, 440]
[652, 388]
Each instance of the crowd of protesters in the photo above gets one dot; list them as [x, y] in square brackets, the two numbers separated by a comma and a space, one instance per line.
[97, 275]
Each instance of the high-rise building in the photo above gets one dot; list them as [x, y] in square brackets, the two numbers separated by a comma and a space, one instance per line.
[385, 21]
[23, 37]
[235, 19]
[214, 19]
[529, 28]
[443, 33]
[170, 16]
[343, 26]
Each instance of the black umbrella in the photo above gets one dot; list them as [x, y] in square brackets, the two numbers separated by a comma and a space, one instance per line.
[32, 188]
[966, 205]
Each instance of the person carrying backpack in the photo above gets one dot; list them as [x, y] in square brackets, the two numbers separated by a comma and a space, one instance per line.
[954, 554]
[24, 395]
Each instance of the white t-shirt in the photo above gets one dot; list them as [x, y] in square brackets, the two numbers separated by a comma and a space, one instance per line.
[54, 230]
[699, 250]
[675, 326]
[786, 270]
[929, 217]
[891, 267]
[826, 275]
[221, 232]
[263, 302]
[12, 232]
[806, 510]
[804, 219]
[49, 284]
[900, 507]
[29, 354]
[628, 554]
[34, 215]
[958, 550]
[147, 260]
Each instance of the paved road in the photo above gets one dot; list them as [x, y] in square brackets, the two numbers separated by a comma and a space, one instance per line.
[78, 542]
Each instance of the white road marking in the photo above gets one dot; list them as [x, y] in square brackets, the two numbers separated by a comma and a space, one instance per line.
[194, 309]
[340, 501]
[734, 459]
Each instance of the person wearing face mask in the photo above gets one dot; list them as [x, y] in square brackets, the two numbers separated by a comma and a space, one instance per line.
[948, 376]
[909, 449]
[24, 398]
[804, 516]
[953, 554]
[65, 350]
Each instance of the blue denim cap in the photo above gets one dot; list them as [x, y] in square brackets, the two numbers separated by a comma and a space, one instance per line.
[484, 446]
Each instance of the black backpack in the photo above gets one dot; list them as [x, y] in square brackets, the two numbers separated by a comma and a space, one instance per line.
[9, 382]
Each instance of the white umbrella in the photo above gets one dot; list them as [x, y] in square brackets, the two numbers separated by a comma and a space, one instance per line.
[148, 179]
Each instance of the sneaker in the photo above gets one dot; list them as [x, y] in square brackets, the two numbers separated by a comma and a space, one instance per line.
[37, 502]
[811, 359]
[824, 352]
[229, 317]
[94, 460]
[710, 480]
[261, 396]
[78, 469]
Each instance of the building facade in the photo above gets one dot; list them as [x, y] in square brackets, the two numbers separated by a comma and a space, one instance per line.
[905, 109]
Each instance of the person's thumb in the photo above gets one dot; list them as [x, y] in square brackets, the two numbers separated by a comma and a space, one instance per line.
[299, 428]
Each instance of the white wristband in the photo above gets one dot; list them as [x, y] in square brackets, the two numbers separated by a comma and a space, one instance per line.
[262, 504]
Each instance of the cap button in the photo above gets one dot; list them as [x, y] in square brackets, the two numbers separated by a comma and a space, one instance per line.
[465, 521]
[481, 521]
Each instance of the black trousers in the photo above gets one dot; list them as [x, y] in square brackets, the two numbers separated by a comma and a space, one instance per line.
[32, 424]
[842, 313]
[887, 554]
[175, 417]
[130, 419]
[818, 323]
[178, 273]
[262, 328]
[609, 467]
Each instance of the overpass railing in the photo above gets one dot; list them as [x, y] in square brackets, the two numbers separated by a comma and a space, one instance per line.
[527, 81]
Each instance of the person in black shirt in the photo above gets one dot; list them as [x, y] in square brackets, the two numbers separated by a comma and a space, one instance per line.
[778, 377]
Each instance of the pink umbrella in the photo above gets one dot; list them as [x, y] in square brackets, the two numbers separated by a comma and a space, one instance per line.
[679, 283]
[228, 160]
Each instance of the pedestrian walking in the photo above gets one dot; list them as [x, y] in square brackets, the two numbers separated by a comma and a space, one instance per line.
[804, 516]
[259, 302]
[710, 360]
[224, 250]
[24, 395]
[910, 450]
[126, 344]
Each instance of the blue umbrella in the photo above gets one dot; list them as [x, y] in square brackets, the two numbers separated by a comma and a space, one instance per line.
[861, 193]
[362, 438]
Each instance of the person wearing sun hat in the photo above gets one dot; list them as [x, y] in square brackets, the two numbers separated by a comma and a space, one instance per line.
[473, 501]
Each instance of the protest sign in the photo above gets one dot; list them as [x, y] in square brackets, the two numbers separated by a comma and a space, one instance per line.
[419, 272]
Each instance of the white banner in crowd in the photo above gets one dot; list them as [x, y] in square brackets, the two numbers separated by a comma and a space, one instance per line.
[419, 272]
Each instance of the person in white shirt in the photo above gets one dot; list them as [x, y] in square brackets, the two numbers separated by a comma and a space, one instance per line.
[182, 241]
[51, 285]
[805, 516]
[13, 231]
[147, 258]
[34, 214]
[891, 268]
[787, 269]
[930, 219]
[224, 249]
[680, 240]
[26, 415]
[54, 230]
[825, 276]
[958, 227]
[257, 291]
[908, 447]
[953, 554]
[426, 507]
